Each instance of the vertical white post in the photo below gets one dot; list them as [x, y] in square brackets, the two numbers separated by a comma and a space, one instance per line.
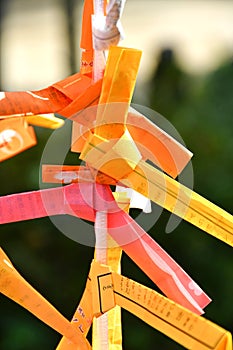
[101, 217]
[100, 326]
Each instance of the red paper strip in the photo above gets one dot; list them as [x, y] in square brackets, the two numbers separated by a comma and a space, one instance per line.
[83, 200]
[151, 258]
[37, 204]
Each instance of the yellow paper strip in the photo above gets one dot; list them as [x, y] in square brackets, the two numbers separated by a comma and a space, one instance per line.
[16, 288]
[114, 254]
[186, 328]
[82, 318]
[114, 315]
[159, 187]
[112, 151]
[181, 201]
[178, 323]
[106, 289]
[118, 85]
[116, 157]
[45, 121]
[153, 143]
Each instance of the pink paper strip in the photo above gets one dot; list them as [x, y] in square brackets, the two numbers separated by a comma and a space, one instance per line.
[83, 200]
[37, 204]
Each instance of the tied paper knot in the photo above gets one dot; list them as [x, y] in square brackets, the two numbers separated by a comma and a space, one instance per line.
[115, 158]
[107, 30]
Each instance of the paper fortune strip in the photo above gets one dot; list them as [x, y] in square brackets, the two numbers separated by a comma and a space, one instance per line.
[141, 248]
[105, 289]
[16, 288]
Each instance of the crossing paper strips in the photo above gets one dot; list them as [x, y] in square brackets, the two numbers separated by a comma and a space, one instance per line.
[105, 289]
[83, 200]
[116, 142]
[112, 150]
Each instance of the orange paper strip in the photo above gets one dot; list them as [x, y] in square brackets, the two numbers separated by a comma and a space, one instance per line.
[69, 95]
[16, 288]
[15, 137]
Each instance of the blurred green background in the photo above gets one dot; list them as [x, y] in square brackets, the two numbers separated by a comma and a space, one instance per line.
[200, 107]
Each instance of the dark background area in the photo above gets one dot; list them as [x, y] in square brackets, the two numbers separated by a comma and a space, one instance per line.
[201, 108]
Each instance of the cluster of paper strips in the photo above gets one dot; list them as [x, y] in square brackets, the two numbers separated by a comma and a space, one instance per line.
[115, 142]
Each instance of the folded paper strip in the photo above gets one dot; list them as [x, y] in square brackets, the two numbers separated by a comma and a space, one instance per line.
[105, 289]
[141, 248]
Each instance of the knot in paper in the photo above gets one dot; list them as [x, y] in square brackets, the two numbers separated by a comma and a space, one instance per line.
[107, 30]
[114, 158]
